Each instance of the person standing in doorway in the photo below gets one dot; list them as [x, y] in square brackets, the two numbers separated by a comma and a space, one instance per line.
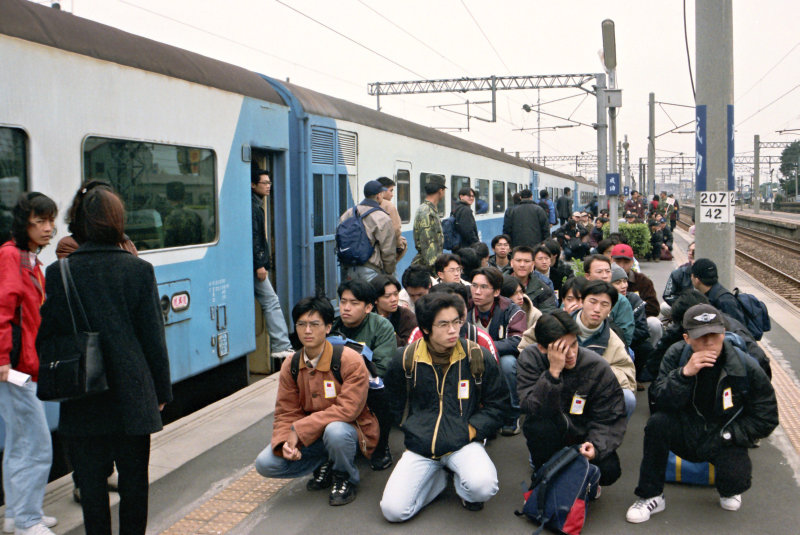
[261, 185]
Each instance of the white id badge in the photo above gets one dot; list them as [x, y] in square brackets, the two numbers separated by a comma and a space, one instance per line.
[330, 390]
[578, 403]
[727, 399]
[463, 390]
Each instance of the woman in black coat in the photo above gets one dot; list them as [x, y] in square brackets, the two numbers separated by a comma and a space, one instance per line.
[118, 292]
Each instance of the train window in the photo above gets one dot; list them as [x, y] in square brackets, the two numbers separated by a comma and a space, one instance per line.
[482, 200]
[511, 189]
[169, 190]
[403, 194]
[456, 183]
[13, 173]
[498, 197]
[424, 178]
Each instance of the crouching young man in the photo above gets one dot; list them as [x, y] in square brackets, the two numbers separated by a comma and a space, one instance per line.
[570, 395]
[446, 435]
[711, 403]
[320, 419]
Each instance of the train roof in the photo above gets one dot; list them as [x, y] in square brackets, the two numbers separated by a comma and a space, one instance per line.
[55, 28]
[337, 108]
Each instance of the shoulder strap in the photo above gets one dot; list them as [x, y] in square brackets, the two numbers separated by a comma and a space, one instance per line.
[557, 463]
[373, 209]
[295, 365]
[408, 370]
[475, 355]
[63, 267]
[336, 362]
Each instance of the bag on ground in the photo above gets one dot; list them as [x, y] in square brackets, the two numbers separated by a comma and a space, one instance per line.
[683, 471]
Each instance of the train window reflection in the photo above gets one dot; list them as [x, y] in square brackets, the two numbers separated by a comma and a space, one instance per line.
[169, 191]
[498, 197]
[424, 178]
[13, 173]
[403, 194]
[511, 189]
[456, 183]
[482, 200]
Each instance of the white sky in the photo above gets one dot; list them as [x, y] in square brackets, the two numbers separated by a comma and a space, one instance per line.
[441, 39]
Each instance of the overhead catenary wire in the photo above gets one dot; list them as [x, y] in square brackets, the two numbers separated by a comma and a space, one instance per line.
[766, 106]
[768, 71]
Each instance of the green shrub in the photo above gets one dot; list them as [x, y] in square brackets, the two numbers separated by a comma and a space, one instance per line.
[577, 267]
[637, 235]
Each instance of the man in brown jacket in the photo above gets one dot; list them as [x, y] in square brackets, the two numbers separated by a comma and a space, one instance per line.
[388, 206]
[321, 413]
[381, 234]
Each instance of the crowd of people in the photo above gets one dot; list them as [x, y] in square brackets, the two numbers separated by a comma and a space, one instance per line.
[470, 345]
[549, 332]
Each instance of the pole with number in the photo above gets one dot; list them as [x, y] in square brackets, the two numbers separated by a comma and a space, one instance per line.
[715, 234]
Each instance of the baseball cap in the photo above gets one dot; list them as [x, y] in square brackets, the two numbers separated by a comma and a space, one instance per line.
[373, 187]
[621, 250]
[703, 268]
[701, 320]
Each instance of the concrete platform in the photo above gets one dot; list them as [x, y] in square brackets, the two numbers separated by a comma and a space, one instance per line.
[202, 479]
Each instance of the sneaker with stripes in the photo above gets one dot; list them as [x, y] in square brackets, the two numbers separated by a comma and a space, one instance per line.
[642, 508]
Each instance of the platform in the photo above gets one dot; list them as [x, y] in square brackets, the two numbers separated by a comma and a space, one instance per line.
[203, 479]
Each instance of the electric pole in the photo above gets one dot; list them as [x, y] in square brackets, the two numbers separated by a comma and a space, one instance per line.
[651, 149]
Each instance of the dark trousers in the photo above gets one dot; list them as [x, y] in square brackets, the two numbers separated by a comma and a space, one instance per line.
[563, 220]
[672, 224]
[379, 405]
[642, 351]
[90, 457]
[545, 436]
[686, 437]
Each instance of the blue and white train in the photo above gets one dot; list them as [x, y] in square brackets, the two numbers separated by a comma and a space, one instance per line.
[83, 100]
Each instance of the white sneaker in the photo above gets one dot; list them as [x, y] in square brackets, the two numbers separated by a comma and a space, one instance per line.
[642, 508]
[731, 503]
[9, 527]
[36, 529]
[598, 492]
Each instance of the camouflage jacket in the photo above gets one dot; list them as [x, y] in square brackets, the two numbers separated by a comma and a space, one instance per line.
[428, 237]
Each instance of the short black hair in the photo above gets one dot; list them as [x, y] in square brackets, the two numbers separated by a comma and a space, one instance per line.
[318, 304]
[34, 203]
[443, 259]
[543, 194]
[551, 327]
[361, 290]
[522, 249]
[598, 288]
[453, 288]
[470, 261]
[541, 248]
[481, 249]
[575, 285]
[428, 306]
[567, 189]
[499, 237]
[526, 194]
[466, 190]
[385, 181]
[553, 246]
[492, 274]
[591, 259]
[255, 176]
[417, 276]
[510, 285]
[380, 282]
[684, 302]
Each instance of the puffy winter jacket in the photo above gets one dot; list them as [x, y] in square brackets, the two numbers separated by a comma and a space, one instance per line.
[679, 280]
[605, 342]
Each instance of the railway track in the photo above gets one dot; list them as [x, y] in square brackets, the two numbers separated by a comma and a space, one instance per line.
[776, 241]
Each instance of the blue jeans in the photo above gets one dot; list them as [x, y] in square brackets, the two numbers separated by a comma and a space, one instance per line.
[28, 453]
[417, 480]
[338, 443]
[508, 365]
[276, 325]
[630, 402]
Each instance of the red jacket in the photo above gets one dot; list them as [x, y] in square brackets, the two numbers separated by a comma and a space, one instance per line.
[17, 288]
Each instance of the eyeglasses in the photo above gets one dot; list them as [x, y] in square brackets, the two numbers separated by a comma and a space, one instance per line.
[265, 182]
[454, 271]
[456, 324]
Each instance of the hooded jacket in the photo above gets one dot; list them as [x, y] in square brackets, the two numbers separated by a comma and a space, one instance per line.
[307, 406]
[605, 342]
[381, 234]
[506, 325]
[602, 422]
[752, 411]
[438, 421]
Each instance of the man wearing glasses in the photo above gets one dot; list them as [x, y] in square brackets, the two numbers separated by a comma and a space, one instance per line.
[505, 322]
[448, 268]
[280, 347]
[446, 436]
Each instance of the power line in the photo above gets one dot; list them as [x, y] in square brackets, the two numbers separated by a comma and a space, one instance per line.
[769, 71]
[485, 36]
[765, 107]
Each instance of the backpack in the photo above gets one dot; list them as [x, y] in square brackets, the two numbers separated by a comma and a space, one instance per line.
[452, 238]
[338, 343]
[476, 367]
[560, 491]
[756, 315]
[353, 246]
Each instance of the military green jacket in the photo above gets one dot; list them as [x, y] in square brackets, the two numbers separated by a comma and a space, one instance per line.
[428, 237]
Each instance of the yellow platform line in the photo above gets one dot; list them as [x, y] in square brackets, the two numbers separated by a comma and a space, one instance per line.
[788, 396]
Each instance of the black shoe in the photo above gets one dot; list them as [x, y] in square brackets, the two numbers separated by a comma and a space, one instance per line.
[511, 428]
[343, 490]
[381, 460]
[322, 477]
[471, 506]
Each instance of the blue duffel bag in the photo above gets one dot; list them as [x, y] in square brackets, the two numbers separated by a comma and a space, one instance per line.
[683, 471]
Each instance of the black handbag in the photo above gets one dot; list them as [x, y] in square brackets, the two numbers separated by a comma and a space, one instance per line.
[71, 366]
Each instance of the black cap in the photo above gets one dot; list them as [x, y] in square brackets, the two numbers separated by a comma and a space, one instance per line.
[703, 268]
[701, 320]
[372, 188]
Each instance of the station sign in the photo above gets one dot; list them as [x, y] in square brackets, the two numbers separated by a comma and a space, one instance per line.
[717, 206]
[612, 184]
[700, 143]
[626, 190]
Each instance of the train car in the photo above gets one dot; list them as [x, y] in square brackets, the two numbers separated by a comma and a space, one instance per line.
[177, 135]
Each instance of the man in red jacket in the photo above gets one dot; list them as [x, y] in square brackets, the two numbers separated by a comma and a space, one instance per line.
[320, 421]
[28, 452]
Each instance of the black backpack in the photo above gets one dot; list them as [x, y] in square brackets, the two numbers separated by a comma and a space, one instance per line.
[353, 246]
[452, 238]
[756, 315]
